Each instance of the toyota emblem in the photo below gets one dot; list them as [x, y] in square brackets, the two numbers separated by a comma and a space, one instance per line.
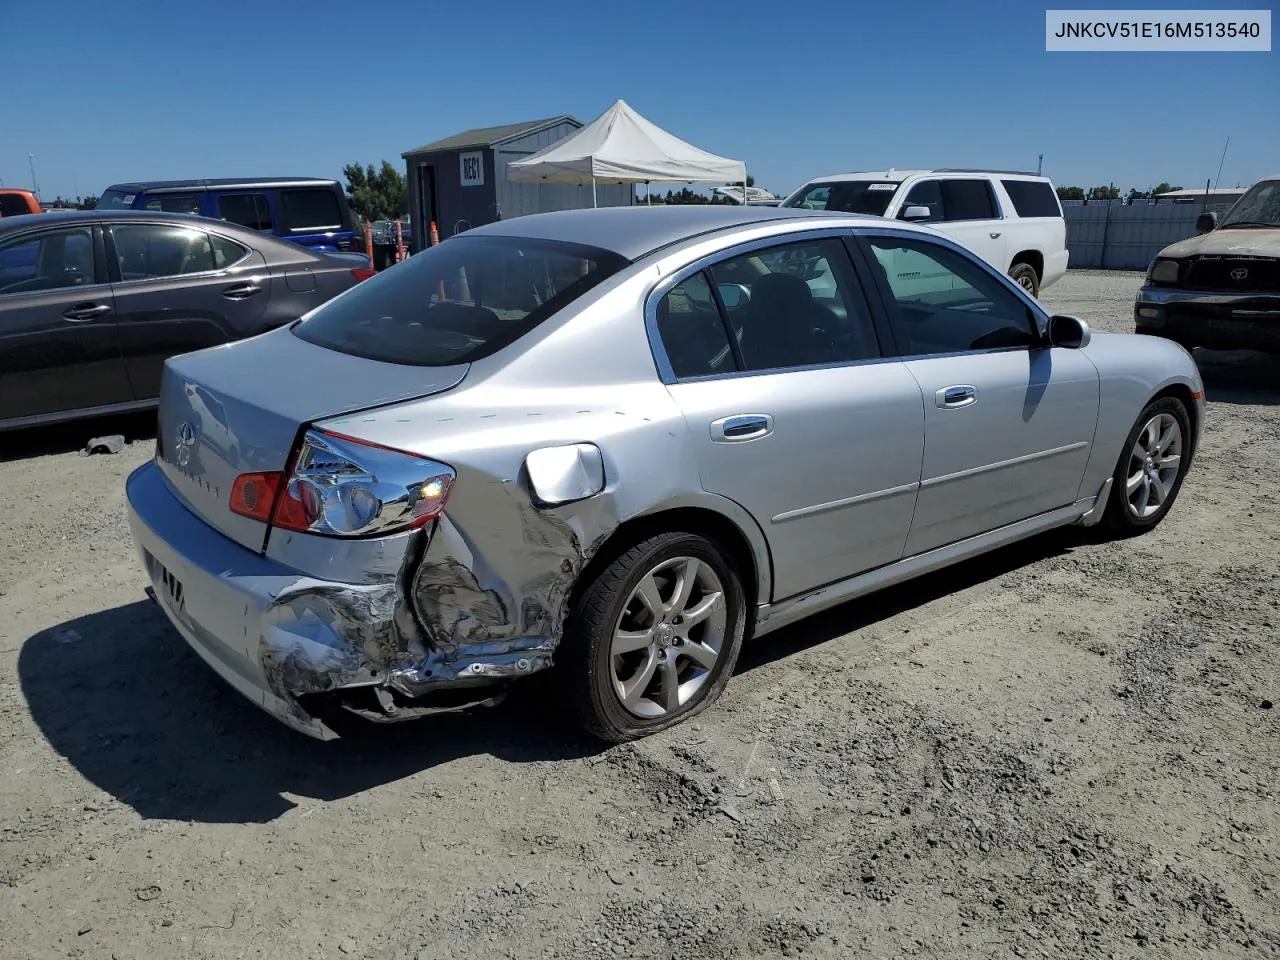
[186, 440]
[1239, 273]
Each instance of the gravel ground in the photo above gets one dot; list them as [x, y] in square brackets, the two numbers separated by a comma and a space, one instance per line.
[1064, 749]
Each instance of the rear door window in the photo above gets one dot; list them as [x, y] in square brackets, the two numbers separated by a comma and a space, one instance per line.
[1032, 198]
[310, 210]
[458, 301]
[250, 210]
[968, 200]
[148, 251]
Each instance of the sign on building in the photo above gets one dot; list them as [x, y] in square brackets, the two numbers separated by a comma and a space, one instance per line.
[472, 169]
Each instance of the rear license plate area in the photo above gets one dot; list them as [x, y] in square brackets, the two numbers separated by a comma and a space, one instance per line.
[168, 587]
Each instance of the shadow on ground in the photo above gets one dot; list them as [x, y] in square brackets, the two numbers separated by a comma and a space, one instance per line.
[121, 696]
[871, 609]
[1240, 377]
[70, 437]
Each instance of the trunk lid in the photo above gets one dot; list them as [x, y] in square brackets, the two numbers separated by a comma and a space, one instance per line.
[238, 408]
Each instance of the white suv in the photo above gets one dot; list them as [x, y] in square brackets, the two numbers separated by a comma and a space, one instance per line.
[1012, 220]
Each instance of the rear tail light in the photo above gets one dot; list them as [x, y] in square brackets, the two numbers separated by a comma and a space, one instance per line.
[340, 486]
[363, 273]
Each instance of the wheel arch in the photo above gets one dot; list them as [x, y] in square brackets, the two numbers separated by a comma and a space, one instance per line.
[722, 521]
[1033, 258]
[1184, 395]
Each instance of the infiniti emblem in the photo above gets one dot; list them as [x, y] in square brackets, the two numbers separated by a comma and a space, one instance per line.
[1239, 273]
[186, 440]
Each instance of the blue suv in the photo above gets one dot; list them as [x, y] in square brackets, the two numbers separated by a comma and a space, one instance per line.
[311, 212]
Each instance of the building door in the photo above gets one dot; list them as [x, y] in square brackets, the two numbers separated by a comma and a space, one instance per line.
[426, 205]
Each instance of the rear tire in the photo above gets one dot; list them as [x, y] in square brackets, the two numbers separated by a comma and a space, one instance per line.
[1150, 470]
[653, 639]
[1025, 276]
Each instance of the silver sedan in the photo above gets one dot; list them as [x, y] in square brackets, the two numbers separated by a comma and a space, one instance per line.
[618, 442]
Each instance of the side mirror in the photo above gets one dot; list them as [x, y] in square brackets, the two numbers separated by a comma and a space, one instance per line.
[1206, 222]
[733, 295]
[915, 213]
[1070, 332]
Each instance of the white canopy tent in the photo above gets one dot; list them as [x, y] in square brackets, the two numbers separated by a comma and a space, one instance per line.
[620, 146]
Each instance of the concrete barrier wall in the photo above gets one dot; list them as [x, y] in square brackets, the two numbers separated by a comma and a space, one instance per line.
[1104, 235]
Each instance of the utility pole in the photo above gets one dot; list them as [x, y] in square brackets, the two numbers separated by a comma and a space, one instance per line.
[1039, 164]
[31, 161]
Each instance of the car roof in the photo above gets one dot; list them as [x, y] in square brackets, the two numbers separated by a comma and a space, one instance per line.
[904, 174]
[161, 186]
[635, 232]
[27, 221]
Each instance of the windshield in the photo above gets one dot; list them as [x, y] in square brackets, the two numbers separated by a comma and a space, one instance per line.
[458, 301]
[1259, 207]
[116, 200]
[846, 196]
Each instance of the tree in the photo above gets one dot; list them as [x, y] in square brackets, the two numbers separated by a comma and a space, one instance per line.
[376, 194]
[1070, 193]
[1103, 193]
[1164, 187]
[89, 203]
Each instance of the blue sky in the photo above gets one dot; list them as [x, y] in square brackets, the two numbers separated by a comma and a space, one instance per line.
[147, 90]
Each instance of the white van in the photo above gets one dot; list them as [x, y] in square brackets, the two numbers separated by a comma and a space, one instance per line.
[1012, 220]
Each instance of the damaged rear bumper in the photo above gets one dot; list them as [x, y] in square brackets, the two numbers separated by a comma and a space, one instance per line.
[286, 640]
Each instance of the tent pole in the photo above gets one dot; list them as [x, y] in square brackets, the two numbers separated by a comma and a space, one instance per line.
[647, 201]
[593, 192]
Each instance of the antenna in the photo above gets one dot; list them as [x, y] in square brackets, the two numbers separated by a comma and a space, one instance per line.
[1039, 164]
[1221, 162]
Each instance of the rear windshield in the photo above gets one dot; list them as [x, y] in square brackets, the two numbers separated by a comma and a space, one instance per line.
[1032, 198]
[458, 301]
[116, 200]
[846, 196]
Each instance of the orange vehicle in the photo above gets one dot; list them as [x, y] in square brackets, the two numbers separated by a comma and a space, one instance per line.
[15, 202]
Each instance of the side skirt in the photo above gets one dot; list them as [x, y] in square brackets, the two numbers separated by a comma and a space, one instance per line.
[774, 616]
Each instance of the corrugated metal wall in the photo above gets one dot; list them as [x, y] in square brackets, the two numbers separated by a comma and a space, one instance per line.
[518, 199]
[1116, 236]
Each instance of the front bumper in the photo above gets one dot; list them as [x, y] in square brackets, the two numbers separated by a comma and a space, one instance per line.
[280, 637]
[1218, 321]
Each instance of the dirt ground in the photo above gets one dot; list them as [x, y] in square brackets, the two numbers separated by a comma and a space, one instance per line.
[1065, 749]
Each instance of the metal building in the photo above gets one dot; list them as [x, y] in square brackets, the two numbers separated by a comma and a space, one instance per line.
[461, 181]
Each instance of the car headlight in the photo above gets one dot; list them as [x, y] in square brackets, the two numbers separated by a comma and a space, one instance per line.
[1164, 271]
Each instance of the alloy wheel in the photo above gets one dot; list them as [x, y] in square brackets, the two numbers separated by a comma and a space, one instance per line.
[1154, 464]
[668, 638]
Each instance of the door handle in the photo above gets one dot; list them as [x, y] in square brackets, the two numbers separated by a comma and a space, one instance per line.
[994, 236]
[961, 395]
[750, 426]
[85, 311]
[241, 291]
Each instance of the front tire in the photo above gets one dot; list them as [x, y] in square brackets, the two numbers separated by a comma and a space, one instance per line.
[1025, 276]
[1151, 467]
[653, 639]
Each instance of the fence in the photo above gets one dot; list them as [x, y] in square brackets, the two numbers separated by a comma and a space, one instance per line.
[1113, 235]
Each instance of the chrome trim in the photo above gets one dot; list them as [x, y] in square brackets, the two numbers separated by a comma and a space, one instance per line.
[846, 502]
[1163, 295]
[39, 419]
[774, 616]
[664, 285]
[990, 467]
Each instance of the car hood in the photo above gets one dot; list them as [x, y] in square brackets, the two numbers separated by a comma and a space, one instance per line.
[1244, 242]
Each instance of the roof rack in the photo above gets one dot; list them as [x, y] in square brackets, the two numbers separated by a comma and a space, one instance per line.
[1020, 173]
